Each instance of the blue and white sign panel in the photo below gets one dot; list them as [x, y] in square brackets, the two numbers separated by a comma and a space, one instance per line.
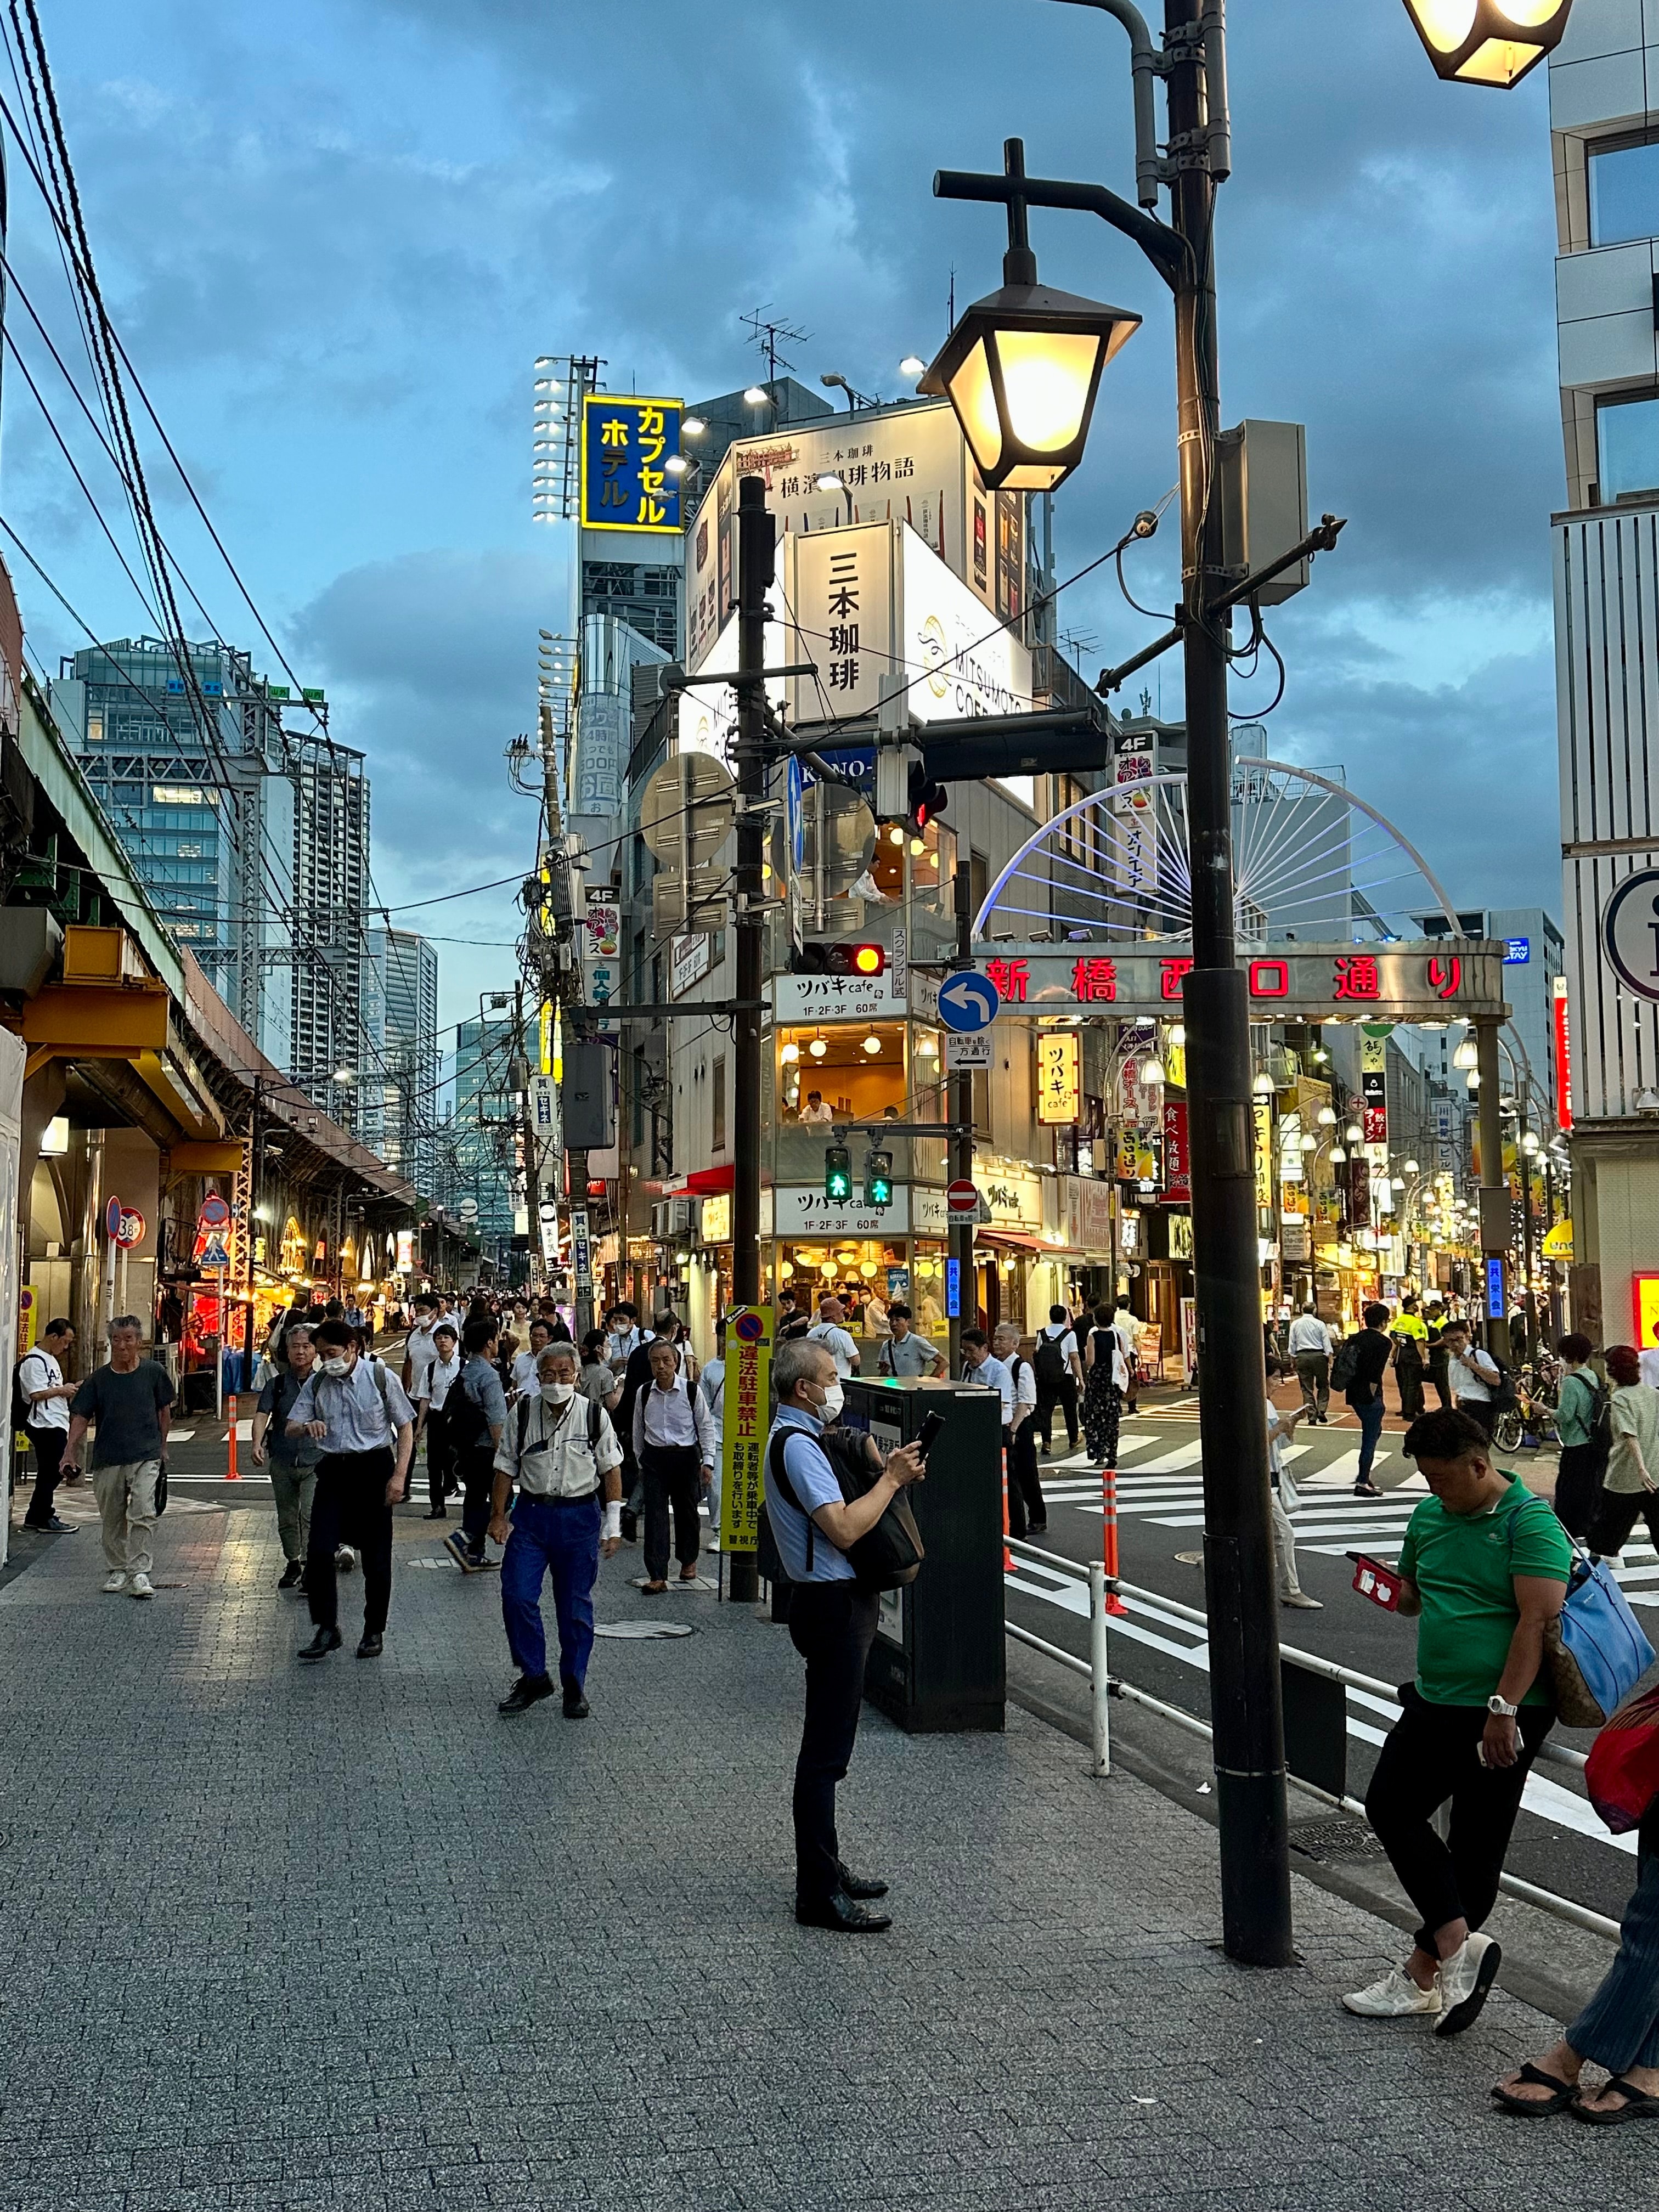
[1494, 1290]
[1517, 951]
[968, 1002]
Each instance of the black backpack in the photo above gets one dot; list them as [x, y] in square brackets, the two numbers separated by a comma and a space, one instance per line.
[1345, 1368]
[465, 1418]
[886, 1557]
[21, 1408]
[1050, 1361]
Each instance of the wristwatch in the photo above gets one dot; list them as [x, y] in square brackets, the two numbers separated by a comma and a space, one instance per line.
[1495, 1705]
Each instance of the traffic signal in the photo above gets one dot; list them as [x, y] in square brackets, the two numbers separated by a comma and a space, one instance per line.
[879, 1179]
[927, 800]
[837, 1173]
[840, 960]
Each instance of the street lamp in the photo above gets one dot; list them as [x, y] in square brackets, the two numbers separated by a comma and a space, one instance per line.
[1022, 367]
[1466, 1054]
[1488, 41]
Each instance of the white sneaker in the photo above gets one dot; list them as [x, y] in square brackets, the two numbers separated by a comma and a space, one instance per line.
[1393, 1997]
[1302, 1602]
[142, 1586]
[115, 1582]
[1466, 1978]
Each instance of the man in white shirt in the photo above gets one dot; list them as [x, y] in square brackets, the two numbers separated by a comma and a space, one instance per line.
[1309, 1347]
[431, 1399]
[420, 1348]
[526, 1365]
[1059, 1366]
[41, 1383]
[674, 1444]
[1123, 1329]
[815, 1110]
[626, 1335]
[1648, 1361]
[711, 1389]
[834, 1338]
[561, 1450]
[1027, 1512]
[1474, 1375]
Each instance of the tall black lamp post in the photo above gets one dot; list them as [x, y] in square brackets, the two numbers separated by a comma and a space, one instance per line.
[1021, 370]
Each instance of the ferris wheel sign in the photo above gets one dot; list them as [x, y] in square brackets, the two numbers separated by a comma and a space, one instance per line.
[1629, 933]
[1433, 980]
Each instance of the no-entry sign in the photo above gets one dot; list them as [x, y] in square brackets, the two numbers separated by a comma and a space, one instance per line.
[962, 1197]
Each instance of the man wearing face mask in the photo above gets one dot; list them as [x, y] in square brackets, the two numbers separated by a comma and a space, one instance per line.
[832, 1623]
[562, 1451]
[675, 1445]
[358, 1413]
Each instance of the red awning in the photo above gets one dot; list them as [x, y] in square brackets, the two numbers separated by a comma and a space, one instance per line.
[1015, 1237]
[704, 1182]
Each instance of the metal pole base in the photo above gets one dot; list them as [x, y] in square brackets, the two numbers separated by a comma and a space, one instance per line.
[742, 1587]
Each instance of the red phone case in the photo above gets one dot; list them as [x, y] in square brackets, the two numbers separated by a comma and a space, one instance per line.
[1377, 1583]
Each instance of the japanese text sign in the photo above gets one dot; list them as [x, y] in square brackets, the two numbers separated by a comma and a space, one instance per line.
[626, 445]
[1060, 1077]
[1400, 981]
[748, 1417]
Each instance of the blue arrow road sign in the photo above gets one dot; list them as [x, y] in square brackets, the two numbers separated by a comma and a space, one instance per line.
[968, 1002]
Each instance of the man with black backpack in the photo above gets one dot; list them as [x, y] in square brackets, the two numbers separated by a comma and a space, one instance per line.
[358, 1413]
[832, 1619]
[40, 1406]
[476, 1421]
[561, 1452]
[1059, 1366]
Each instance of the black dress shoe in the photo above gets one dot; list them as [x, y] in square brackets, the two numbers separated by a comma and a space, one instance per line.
[325, 1641]
[290, 1575]
[438, 1513]
[575, 1704]
[529, 1690]
[844, 1915]
[1039, 1527]
[630, 1526]
[372, 1645]
[858, 1885]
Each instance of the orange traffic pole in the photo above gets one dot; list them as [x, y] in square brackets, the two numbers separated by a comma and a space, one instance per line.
[1007, 1556]
[230, 1404]
[1109, 1505]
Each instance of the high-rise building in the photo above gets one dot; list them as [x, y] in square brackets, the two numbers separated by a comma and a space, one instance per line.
[477, 1158]
[400, 1090]
[252, 839]
[1604, 138]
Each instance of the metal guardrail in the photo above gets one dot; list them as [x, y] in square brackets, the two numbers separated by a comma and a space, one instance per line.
[1104, 1686]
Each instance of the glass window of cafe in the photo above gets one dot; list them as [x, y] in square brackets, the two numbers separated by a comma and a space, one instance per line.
[857, 1069]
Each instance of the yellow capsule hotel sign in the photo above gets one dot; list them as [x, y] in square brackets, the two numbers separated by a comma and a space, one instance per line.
[1060, 1077]
[627, 445]
[748, 1417]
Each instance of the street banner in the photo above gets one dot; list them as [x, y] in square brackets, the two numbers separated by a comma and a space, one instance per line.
[748, 1419]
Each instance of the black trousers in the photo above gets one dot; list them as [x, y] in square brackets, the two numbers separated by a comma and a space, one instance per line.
[1437, 1376]
[476, 1469]
[1062, 1393]
[1578, 1487]
[440, 1455]
[1617, 1515]
[1482, 1413]
[1429, 1756]
[1409, 1376]
[48, 1449]
[672, 1475]
[1025, 1501]
[832, 1626]
[350, 1507]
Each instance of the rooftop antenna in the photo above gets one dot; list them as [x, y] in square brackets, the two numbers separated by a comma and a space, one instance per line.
[768, 334]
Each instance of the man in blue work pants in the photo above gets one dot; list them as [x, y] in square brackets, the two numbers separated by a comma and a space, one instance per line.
[562, 1452]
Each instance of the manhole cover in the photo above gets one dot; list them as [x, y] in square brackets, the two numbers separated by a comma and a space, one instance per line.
[1189, 1558]
[1335, 1838]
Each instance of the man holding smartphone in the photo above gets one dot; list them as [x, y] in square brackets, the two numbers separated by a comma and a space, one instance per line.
[1485, 1565]
[832, 1623]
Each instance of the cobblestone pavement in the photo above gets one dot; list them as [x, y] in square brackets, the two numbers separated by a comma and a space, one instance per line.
[342, 1940]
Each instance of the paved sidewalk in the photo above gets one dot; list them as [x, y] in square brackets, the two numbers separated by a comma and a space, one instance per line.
[342, 1940]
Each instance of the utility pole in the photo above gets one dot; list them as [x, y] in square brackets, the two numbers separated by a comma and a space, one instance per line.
[756, 548]
[519, 1076]
[1245, 1705]
[960, 1091]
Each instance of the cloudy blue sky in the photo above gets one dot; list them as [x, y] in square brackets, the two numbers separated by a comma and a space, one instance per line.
[335, 234]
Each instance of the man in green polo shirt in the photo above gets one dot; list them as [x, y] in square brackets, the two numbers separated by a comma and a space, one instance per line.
[1485, 1564]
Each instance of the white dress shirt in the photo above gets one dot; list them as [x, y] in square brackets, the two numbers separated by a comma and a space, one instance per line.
[994, 1375]
[674, 1419]
[1309, 1333]
[433, 1385]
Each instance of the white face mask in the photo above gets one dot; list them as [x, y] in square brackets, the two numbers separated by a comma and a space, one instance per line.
[834, 1399]
[337, 1367]
[556, 1393]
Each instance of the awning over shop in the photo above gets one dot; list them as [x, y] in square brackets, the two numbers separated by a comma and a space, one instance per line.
[706, 1182]
[1017, 1241]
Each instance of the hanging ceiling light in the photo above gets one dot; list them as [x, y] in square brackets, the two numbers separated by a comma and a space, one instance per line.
[1262, 1085]
[1328, 1117]
[1353, 1134]
[1338, 1155]
[1488, 41]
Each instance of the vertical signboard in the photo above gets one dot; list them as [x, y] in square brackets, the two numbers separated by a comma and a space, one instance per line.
[1564, 1059]
[1373, 1088]
[1060, 1077]
[748, 1417]
[1177, 1179]
[1262, 1113]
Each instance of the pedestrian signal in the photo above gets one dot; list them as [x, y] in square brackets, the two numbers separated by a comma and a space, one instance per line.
[837, 1173]
[879, 1179]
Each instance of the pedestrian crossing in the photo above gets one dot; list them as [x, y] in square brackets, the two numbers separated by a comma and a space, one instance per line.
[1166, 1488]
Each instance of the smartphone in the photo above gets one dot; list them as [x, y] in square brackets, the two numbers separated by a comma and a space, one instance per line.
[1381, 1585]
[925, 1435]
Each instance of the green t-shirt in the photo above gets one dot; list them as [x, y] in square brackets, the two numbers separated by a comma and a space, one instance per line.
[1464, 1568]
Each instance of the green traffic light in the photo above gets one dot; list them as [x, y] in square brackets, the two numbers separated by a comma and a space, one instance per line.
[837, 1173]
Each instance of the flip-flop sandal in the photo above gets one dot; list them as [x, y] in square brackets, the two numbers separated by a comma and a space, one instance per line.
[1637, 2106]
[1537, 2108]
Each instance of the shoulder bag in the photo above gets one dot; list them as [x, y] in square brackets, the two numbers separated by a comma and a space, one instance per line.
[884, 1558]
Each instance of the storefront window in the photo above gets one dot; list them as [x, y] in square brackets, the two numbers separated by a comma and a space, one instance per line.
[856, 1069]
